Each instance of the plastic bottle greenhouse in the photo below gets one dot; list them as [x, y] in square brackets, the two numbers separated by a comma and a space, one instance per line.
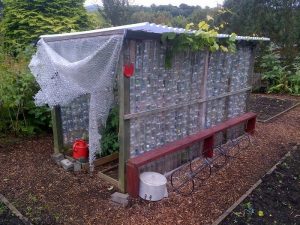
[83, 75]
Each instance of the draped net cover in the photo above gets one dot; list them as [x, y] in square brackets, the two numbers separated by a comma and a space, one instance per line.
[68, 69]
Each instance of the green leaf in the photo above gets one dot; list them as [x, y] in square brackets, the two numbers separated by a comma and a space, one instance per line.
[260, 213]
[223, 48]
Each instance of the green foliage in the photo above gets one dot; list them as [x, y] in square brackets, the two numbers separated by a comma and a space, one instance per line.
[115, 11]
[277, 19]
[280, 78]
[17, 109]
[205, 38]
[110, 140]
[97, 21]
[25, 20]
[295, 78]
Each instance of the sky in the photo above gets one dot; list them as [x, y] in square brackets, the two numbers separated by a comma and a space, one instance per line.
[202, 3]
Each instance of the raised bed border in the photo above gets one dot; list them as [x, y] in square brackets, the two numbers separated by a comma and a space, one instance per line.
[14, 210]
[279, 114]
[244, 196]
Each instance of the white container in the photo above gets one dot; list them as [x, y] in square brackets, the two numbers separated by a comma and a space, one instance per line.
[153, 186]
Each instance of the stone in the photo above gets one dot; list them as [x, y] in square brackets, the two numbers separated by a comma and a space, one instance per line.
[120, 198]
[77, 166]
[57, 157]
[66, 164]
[70, 158]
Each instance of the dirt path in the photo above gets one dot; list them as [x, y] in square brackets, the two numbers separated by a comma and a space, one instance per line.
[48, 195]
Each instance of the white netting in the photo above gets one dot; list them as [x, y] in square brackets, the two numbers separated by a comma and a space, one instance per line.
[67, 69]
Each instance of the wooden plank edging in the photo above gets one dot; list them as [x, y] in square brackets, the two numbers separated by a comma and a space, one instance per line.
[14, 210]
[279, 114]
[244, 196]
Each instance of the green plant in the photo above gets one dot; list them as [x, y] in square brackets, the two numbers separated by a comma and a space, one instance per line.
[295, 78]
[2, 208]
[110, 140]
[204, 38]
[25, 20]
[17, 88]
[273, 71]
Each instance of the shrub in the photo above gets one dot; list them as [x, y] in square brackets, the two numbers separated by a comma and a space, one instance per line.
[273, 71]
[19, 114]
[110, 140]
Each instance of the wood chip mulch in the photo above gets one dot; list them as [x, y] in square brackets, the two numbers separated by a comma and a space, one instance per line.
[47, 194]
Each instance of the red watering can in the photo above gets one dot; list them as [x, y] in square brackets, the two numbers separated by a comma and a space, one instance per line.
[80, 149]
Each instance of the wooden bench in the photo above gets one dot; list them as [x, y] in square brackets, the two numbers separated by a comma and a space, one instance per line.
[207, 136]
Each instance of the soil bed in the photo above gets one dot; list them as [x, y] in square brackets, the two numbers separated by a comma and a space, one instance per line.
[268, 107]
[7, 217]
[276, 200]
[46, 194]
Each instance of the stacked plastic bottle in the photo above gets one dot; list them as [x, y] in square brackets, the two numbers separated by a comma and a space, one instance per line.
[153, 87]
[75, 120]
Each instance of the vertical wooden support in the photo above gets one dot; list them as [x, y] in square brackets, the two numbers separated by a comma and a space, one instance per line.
[203, 95]
[250, 76]
[203, 89]
[57, 129]
[124, 127]
[250, 125]
[208, 147]
[132, 173]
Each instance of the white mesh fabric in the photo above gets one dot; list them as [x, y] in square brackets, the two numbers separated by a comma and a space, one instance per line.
[67, 69]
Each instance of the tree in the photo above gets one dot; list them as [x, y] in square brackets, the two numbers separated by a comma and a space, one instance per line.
[277, 19]
[115, 11]
[25, 20]
[1, 8]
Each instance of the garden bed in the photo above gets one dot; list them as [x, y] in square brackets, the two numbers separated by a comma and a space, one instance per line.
[276, 200]
[268, 108]
[7, 217]
[47, 194]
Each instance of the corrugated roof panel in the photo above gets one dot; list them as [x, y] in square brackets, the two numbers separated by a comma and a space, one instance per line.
[147, 27]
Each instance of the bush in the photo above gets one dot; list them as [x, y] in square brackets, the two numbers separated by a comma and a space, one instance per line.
[281, 79]
[110, 140]
[19, 115]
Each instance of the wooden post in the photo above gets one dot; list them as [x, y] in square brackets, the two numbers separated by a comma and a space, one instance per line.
[57, 129]
[250, 76]
[203, 89]
[124, 126]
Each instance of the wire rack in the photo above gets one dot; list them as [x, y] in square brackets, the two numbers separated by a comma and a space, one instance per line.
[183, 179]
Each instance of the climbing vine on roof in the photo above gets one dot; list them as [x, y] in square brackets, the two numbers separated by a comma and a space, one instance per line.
[204, 38]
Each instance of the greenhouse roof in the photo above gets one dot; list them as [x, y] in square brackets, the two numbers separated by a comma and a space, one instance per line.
[145, 27]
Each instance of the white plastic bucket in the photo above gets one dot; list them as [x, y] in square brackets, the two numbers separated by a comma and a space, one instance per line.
[153, 186]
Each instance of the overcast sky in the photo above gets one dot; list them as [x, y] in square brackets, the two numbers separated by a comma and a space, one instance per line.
[202, 3]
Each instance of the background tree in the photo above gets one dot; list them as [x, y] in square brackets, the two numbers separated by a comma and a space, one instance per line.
[25, 20]
[277, 19]
[1, 8]
[115, 11]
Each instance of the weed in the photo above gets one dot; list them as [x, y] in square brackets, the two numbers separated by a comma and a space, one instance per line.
[2, 208]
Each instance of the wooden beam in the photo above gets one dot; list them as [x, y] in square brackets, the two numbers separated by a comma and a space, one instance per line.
[109, 179]
[106, 159]
[171, 107]
[57, 129]
[109, 168]
[124, 103]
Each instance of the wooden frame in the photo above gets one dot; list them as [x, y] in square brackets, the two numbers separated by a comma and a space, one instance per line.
[128, 55]
[57, 129]
[207, 136]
